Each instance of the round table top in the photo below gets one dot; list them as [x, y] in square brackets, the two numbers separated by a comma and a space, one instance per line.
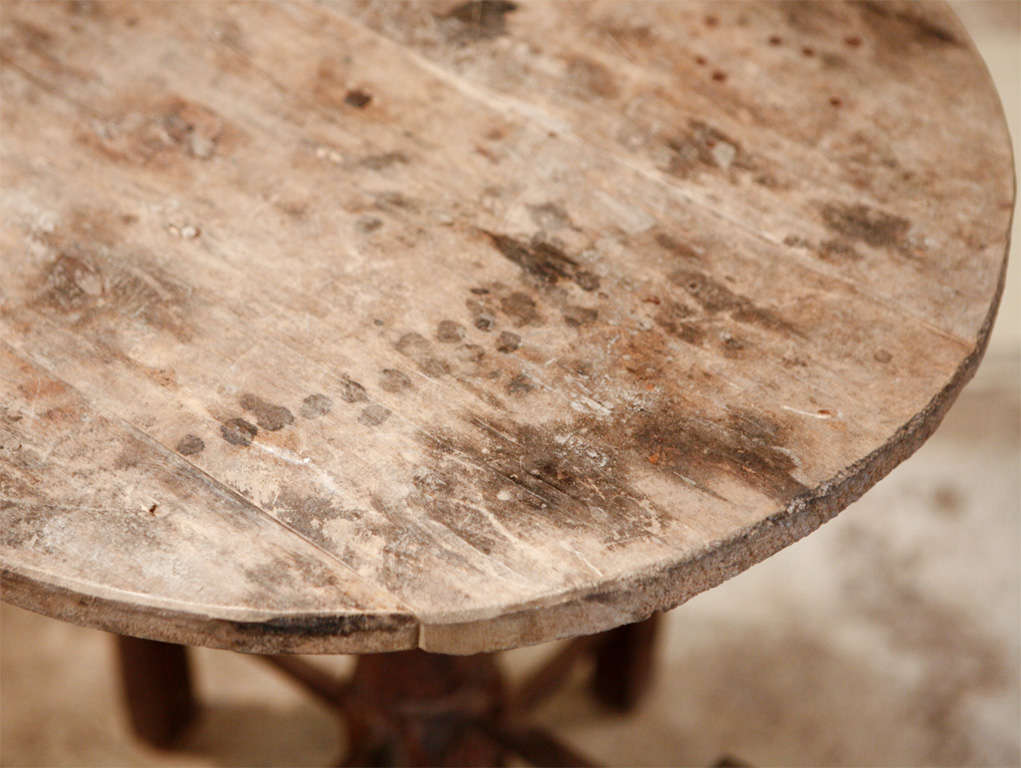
[358, 326]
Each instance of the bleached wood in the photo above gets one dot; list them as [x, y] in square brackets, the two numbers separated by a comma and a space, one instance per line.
[355, 326]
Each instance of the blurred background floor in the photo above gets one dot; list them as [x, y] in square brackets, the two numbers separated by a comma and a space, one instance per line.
[889, 637]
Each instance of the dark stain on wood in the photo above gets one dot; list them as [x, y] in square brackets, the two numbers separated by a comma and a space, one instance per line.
[449, 332]
[507, 342]
[837, 251]
[674, 318]
[550, 216]
[393, 380]
[315, 405]
[373, 415]
[868, 225]
[521, 308]
[897, 22]
[520, 385]
[87, 282]
[577, 316]
[267, 415]
[588, 77]
[578, 473]
[705, 148]
[238, 432]
[357, 98]
[480, 19]
[172, 128]
[351, 391]
[306, 514]
[384, 160]
[543, 260]
[416, 347]
[531, 473]
[189, 445]
[748, 449]
[314, 625]
[715, 297]
[676, 247]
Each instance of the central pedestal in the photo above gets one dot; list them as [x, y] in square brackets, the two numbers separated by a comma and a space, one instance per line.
[415, 708]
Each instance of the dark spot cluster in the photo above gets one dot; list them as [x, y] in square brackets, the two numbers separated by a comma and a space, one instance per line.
[416, 347]
[352, 392]
[241, 432]
[488, 305]
[272, 417]
[462, 357]
[543, 261]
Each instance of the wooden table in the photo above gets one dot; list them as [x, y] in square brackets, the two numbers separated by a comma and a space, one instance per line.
[358, 327]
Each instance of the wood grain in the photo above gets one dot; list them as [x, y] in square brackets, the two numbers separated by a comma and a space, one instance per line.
[359, 326]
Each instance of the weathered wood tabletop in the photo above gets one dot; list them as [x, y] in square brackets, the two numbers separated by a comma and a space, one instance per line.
[359, 326]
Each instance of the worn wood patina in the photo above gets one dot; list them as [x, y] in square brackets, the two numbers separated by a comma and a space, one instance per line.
[362, 326]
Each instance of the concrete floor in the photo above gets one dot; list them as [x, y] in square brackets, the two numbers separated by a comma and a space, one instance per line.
[889, 637]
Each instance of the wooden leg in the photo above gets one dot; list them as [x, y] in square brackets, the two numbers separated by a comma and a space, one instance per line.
[156, 684]
[624, 664]
[551, 676]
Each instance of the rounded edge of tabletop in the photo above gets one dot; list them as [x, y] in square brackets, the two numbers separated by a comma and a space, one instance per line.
[259, 632]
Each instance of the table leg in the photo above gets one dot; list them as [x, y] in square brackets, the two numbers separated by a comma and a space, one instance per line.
[156, 685]
[624, 664]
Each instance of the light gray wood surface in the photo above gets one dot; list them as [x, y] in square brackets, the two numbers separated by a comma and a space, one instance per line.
[357, 326]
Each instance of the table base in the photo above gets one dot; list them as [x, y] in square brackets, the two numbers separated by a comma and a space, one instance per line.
[411, 707]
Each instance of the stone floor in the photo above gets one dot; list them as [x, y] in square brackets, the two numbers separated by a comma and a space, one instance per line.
[889, 637]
